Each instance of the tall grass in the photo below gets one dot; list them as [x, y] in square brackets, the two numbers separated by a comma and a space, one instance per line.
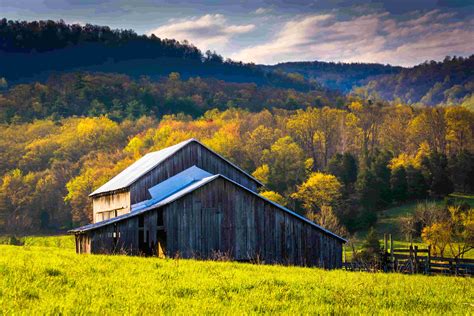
[49, 280]
[60, 241]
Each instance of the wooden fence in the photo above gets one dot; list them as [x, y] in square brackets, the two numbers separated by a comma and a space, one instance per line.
[413, 260]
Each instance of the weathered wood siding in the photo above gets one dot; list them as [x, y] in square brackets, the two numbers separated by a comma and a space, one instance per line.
[188, 156]
[101, 205]
[221, 218]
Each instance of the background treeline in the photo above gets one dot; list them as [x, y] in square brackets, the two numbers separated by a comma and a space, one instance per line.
[339, 167]
[448, 82]
[337, 76]
[121, 97]
[33, 50]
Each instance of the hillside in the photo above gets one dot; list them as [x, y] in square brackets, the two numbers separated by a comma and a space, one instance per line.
[448, 82]
[31, 51]
[337, 76]
[50, 280]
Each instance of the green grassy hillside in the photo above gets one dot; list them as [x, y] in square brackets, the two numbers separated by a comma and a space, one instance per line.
[51, 280]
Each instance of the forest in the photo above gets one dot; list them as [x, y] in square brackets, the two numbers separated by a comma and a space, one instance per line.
[121, 97]
[338, 166]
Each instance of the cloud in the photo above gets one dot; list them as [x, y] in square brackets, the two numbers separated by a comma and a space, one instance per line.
[210, 31]
[260, 11]
[374, 37]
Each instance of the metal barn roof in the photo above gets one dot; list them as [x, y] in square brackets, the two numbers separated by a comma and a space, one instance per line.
[143, 165]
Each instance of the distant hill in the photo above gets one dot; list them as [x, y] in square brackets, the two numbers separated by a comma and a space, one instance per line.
[337, 76]
[448, 82]
[431, 83]
[31, 51]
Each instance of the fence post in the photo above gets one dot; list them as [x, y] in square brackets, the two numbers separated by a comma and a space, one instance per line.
[411, 259]
[385, 253]
[344, 253]
[428, 261]
[416, 260]
[392, 256]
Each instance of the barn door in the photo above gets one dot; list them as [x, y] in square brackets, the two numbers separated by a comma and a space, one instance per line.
[160, 235]
[143, 237]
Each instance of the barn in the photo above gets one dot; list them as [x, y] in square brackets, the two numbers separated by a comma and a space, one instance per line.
[188, 201]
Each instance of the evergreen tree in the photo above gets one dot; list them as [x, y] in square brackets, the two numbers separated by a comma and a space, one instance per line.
[382, 173]
[398, 184]
[371, 246]
[367, 191]
[435, 169]
[461, 170]
[344, 167]
[416, 183]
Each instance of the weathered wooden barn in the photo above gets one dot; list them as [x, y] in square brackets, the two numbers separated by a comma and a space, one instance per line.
[188, 201]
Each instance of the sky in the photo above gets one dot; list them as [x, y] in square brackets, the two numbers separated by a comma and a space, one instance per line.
[397, 32]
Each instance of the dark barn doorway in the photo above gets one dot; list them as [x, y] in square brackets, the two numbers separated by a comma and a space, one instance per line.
[160, 235]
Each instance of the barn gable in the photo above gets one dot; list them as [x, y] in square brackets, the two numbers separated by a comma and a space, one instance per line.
[147, 163]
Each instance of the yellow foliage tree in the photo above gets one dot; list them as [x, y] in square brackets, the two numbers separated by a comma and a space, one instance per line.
[275, 197]
[438, 236]
[319, 190]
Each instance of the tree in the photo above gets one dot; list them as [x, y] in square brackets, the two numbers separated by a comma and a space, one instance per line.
[395, 134]
[275, 197]
[303, 126]
[285, 160]
[262, 173]
[416, 183]
[461, 170]
[462, 230]
[367, 190]
[435, 169]
[398, 184]
[459, 129]
[438, 236]
[327, 219]
[344, 167]
[319, 190]
[369, 118]
[371, 246]
[429, 126]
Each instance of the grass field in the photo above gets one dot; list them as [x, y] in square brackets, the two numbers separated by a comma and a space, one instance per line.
[53, 280]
